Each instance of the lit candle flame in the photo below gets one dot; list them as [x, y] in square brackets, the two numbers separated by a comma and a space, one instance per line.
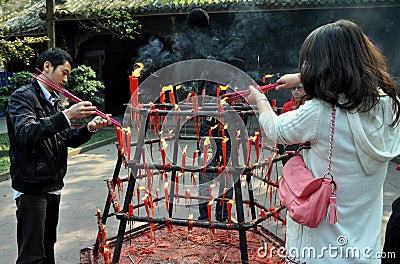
[136, 72]
[167, 88]
[253, 138]
[268, 75]
[207, 141]
[214, 127]
[184, 149]
[223, 87]
[164, 144]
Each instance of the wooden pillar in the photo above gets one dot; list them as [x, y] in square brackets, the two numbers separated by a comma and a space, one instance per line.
[50, 23]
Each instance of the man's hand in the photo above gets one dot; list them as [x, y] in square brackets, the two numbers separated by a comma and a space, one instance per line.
[98, 123]
[80, 110]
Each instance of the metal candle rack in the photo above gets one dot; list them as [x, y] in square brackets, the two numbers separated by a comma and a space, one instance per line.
[161, 110]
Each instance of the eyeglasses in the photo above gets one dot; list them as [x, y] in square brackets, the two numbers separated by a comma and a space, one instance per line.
[299, 87]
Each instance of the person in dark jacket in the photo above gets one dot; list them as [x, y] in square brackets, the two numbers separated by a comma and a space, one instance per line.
[211, 126]
[391, 247]
[40, 133]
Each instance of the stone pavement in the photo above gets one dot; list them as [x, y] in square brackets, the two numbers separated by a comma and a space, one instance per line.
[85, 191]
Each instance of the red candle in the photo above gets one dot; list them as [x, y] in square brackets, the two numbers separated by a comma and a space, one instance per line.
[134, 83]
[209, 205]
[205, 154]
[190, 222]
[106, 251]
[193, 179]
[163, 156]
[123, 139]
[223, 197]
[250, 142]
[177, 184]
[188, 200]
[194, 156]
[150, 197]
[143, 155]
[210, 191]
[119, 136]
[130, 210]
[229, 209]
[224, 140]
[146, 205]
[162, 97]
[128, 143]
[166, 195]
[195, 101]
[223, 130]
[210, 131]
[257, 143]
[218, 91]
[184, 159]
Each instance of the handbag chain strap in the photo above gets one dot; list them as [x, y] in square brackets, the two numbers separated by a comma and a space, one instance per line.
[332, 131]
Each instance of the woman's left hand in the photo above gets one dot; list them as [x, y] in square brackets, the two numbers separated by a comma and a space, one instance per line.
[255, 94]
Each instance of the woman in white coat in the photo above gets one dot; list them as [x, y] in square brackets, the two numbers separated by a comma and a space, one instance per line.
[339, 65]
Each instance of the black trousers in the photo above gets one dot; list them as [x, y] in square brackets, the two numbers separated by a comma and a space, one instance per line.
[37, 219]
[205, 181]
[392, 236]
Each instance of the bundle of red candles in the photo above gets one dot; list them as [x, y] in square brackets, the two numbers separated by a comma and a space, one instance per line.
[231, 97]
[46, 80]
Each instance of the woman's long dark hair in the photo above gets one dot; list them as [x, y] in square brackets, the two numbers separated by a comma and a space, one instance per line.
[339, 58]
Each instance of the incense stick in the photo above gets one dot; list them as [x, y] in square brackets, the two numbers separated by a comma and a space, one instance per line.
[231, 97]
[48, 81]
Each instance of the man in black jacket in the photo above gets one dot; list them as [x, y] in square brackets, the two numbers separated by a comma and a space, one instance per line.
[39, 132]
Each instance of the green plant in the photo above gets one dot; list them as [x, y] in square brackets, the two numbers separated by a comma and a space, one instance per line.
[82, 83]
[18, 48]
[4, 158]
[19, 79]
[118, 22]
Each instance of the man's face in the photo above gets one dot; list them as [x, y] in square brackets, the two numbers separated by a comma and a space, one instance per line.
[59, 74]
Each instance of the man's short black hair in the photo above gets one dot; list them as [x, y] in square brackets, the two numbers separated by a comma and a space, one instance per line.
[55, 56]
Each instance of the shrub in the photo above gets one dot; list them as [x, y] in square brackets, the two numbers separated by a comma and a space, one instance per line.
[82, 83]
[19, 79]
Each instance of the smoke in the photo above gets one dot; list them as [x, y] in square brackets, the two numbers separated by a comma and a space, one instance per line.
[255, 42]
[156, 55]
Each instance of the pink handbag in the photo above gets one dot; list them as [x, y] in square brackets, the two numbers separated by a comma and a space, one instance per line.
[307, 198]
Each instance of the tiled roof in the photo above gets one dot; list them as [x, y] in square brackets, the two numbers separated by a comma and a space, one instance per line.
[31, 18]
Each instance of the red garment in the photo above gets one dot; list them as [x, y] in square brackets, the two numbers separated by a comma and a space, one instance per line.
[291, 105]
